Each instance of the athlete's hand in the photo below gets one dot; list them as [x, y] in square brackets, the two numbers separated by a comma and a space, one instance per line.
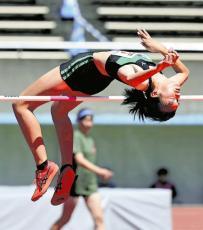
[105, 174]
[169, 60]
[149, 43]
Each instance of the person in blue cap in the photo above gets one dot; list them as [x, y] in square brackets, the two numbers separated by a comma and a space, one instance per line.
[86, 184]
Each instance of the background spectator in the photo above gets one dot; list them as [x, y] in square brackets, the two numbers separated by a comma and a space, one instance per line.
[162, 182]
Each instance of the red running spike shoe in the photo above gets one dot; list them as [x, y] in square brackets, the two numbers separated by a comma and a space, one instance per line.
[64, 185]
[43, 179]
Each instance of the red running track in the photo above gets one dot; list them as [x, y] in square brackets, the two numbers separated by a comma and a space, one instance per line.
[187, 218]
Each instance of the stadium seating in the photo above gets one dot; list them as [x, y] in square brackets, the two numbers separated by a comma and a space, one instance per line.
[124, 12]
[121, 18]
[147, 1]
[155, 26]
[23, 10]
[27, 20]
[18, 1]
[175, 21]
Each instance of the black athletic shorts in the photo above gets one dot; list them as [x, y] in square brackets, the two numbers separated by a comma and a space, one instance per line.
[81, 74]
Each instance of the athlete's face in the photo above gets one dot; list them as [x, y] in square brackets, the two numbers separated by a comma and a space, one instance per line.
[168, 97]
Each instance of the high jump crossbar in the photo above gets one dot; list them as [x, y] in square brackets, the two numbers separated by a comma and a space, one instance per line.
[83, 98]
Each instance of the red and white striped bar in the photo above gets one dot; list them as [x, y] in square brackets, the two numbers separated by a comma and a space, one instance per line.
[79, 98]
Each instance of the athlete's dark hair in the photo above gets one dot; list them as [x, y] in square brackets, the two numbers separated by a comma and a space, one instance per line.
[145, 106]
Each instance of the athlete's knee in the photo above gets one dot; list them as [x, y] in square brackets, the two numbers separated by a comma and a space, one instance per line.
[18, 107]
[58, 111]
[21, 107]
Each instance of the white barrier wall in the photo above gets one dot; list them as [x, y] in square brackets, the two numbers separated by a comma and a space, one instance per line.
[125, 209]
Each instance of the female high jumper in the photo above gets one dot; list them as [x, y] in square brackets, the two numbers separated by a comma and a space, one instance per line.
[152, 96]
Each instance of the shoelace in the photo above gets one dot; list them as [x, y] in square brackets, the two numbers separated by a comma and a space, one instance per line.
[40, 181]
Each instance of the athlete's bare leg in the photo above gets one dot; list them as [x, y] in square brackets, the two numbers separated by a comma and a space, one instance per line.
[64, 128]
[49, 84]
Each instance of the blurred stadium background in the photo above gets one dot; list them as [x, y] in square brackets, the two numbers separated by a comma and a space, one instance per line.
[123, 144]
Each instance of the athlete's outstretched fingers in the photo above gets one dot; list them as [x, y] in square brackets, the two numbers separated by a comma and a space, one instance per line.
[146, 33]
[140, 33]
[143, 34]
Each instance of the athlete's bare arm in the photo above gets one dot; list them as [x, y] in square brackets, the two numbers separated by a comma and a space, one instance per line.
[154, 46]
[134, 79]
[151, 44]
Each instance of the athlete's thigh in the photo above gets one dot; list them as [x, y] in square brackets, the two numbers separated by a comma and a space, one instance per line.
[50, 83]
[93, 203]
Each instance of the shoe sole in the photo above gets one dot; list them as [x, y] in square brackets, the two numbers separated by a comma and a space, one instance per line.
[67, 180]
[49, 180]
